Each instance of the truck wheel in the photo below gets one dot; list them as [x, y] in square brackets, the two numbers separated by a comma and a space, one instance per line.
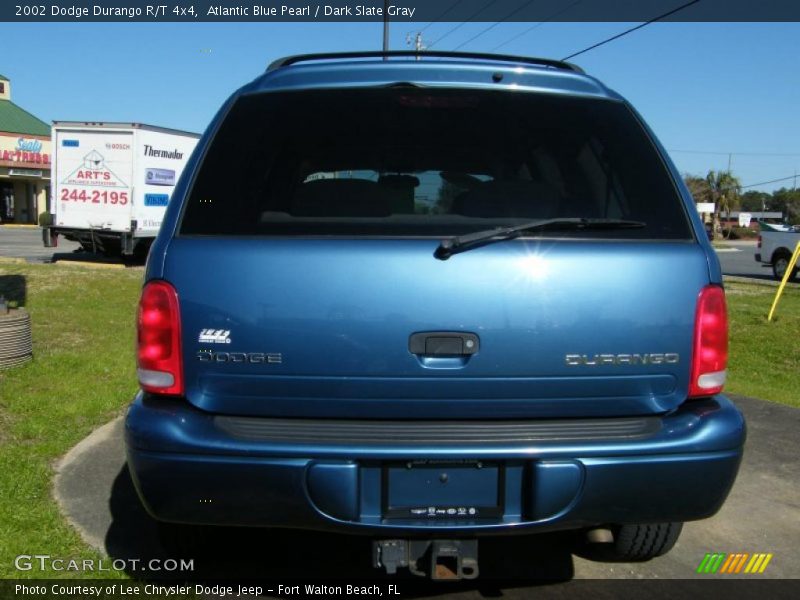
[780, 262]
[633, 543]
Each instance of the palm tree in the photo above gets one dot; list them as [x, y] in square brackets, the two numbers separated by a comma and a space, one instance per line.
[724, 189]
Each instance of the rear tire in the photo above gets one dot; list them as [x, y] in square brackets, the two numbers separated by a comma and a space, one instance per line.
[634, 543]
[780, 262]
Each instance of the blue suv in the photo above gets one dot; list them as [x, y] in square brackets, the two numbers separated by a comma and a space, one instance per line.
[429, 298]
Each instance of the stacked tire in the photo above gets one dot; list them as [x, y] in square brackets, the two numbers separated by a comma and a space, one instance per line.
[16, 345]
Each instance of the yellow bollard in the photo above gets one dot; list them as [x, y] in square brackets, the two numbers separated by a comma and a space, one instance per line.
[786, 276]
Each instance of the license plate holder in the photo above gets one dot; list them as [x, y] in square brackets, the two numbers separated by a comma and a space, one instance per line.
[443, 490]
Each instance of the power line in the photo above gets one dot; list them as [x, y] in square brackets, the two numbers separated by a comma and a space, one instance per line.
[631, 30]
[736, 153]
[529, 29]
[439, 18]
[495, 24]
[460, 25]
[744, 187]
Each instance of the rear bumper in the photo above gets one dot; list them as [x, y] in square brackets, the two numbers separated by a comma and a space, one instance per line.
[188, 467]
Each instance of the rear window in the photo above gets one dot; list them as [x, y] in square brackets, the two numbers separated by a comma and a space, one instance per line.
[405, 161]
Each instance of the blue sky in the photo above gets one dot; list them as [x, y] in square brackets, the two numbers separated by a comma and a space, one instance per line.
[703, 87]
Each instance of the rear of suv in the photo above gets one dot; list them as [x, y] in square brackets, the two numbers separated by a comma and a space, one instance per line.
[429, 301]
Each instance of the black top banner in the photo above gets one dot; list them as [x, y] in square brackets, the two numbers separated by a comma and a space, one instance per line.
[419, 11]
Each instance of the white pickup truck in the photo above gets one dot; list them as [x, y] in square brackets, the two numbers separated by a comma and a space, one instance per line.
[776, 243]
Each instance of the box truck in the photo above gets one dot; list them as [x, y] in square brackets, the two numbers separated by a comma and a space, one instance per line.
[112, 182]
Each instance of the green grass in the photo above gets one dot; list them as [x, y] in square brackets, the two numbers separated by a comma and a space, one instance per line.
[764, 357]
[83, 375]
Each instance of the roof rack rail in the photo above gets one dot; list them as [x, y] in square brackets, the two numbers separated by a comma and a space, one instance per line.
[545, 62]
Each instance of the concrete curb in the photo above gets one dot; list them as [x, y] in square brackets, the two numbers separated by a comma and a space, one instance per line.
[753, 281]
[91, 265]
[19, 225]
[64, 468]
[10, 260]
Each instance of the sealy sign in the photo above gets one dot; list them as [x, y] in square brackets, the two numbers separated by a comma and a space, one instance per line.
[24, 145]
[24, 151]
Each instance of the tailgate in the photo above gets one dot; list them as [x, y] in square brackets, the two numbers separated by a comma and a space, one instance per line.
[322, 328]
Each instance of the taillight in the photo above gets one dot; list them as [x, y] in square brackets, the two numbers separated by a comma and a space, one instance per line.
[758, 245]
[710, 350]
[160, 369]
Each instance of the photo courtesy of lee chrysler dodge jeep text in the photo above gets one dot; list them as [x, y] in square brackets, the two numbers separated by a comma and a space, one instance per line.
[434, 300]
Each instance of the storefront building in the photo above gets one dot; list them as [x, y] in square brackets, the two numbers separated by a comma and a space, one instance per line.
[25, 156]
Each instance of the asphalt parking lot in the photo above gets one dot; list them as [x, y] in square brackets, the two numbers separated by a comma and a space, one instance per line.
[738, 258]
[762, 514]
[26, 243]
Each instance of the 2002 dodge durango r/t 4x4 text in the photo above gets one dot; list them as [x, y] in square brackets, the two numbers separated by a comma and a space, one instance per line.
[428, 301]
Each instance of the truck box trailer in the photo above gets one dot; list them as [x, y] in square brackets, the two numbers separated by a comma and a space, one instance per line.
[112, 182]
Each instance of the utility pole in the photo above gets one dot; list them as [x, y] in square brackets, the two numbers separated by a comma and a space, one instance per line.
[730, 154]
[385, 28]
[418, 45]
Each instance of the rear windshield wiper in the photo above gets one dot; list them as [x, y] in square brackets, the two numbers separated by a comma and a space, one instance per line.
[460, 243]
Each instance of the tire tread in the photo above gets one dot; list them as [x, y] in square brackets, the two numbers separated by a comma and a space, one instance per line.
[646, 541]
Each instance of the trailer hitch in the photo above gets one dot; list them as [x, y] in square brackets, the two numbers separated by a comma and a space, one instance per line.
[438, 559]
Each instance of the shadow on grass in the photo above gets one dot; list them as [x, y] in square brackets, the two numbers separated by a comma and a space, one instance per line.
[14, 289]
[282, 556]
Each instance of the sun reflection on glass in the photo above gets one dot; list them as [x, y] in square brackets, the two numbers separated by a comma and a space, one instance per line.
[534, 266]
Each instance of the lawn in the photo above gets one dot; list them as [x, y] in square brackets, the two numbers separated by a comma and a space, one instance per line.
[83, 375]
[764, 357]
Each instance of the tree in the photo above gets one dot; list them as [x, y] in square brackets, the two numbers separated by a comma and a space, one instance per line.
[788, 202]
[724, 188]
[753, 201]
[698, 187]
